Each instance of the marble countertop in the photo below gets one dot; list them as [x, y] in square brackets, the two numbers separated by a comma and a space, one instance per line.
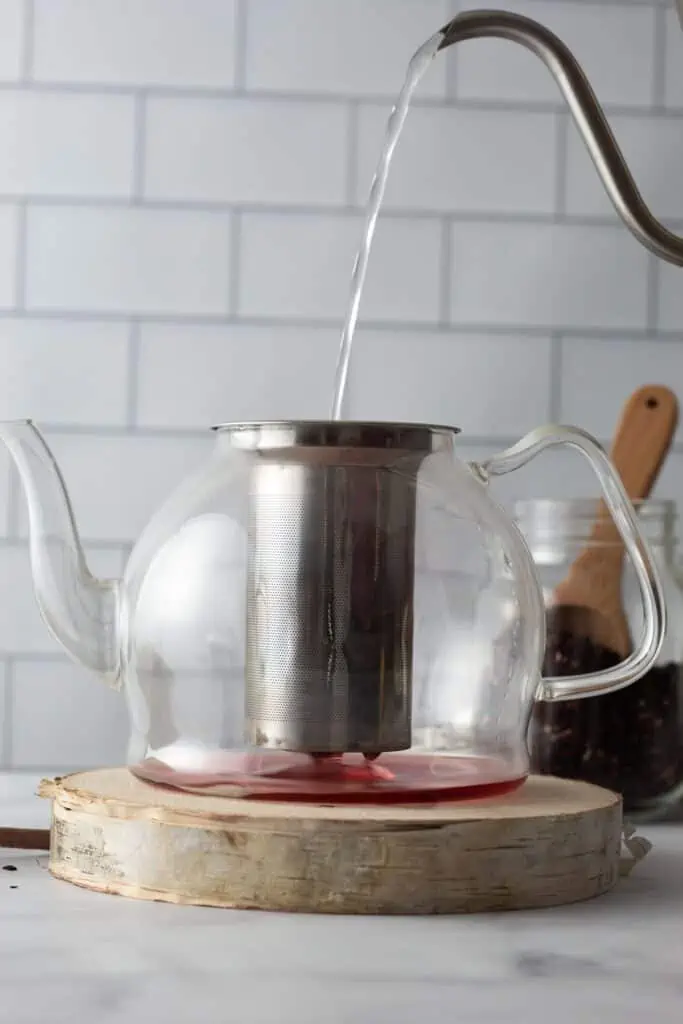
[68, 955]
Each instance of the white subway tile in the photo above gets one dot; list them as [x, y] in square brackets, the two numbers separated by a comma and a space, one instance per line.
[158, 42]
[653, 148]
[447, 378]
[246, 150]
[11, 39]
[21, 625]
[65, 144]
[198, 376]
[65, 717]
[613, 43]
[117, 483]
[546, 275]
[351, 48]
[670, 297]
[599, 376]
[127, 260]
[673, 88]
[451, 160]
[61, 372]
[301, 267]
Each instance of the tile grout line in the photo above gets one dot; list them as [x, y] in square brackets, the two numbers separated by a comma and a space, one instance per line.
[445, 273]
[555, 378]
[14, 494]
[132, 373]
[503, 218]
[484, 104]
[8, 528]
[451, 58]
[235, 262]
[652, 294]
[561, 156]
[28, 41]
[139, 147]
[240, 43]
[451, 76]
[597, 332]
[20, 257]
[352, 150]
[126, 551]
[659, 61]
[8, 713]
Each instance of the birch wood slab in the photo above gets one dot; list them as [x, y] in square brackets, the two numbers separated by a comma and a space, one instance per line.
[551, 842]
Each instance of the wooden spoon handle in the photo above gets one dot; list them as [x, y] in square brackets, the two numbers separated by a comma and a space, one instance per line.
[643, 437]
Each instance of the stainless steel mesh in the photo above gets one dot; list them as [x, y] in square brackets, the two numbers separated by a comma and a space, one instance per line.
[330, 602]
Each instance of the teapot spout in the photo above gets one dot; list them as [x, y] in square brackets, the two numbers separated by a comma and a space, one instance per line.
[80, 611]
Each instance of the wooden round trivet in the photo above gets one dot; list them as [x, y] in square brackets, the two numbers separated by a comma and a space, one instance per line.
[551, 842]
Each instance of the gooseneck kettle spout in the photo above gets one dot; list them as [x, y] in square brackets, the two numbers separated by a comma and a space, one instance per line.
[587, 113]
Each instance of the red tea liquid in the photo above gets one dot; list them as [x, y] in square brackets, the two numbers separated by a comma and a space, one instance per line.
[348, 778]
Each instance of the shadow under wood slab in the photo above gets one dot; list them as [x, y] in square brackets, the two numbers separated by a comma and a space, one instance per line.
[552, 842]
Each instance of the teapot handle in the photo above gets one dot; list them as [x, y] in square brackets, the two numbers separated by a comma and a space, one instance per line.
[643, 657]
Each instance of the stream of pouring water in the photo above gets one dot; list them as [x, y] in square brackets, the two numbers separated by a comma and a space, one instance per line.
[416, 69]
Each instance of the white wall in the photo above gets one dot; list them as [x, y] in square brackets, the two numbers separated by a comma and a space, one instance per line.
[181, 190]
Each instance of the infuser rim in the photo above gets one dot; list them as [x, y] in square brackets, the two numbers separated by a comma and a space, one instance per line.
[337, 434]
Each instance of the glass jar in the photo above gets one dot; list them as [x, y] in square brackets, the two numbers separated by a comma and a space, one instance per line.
[630, 740]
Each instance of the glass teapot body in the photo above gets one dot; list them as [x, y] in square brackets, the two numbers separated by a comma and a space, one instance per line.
[325, 589]
[322, 591]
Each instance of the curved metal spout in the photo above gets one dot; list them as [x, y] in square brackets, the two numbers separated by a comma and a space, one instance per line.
[587, 113]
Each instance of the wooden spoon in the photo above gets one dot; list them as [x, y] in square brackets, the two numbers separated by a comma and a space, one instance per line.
[588, 602]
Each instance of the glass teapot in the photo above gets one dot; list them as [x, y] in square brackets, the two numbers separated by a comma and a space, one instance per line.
[331, 609]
